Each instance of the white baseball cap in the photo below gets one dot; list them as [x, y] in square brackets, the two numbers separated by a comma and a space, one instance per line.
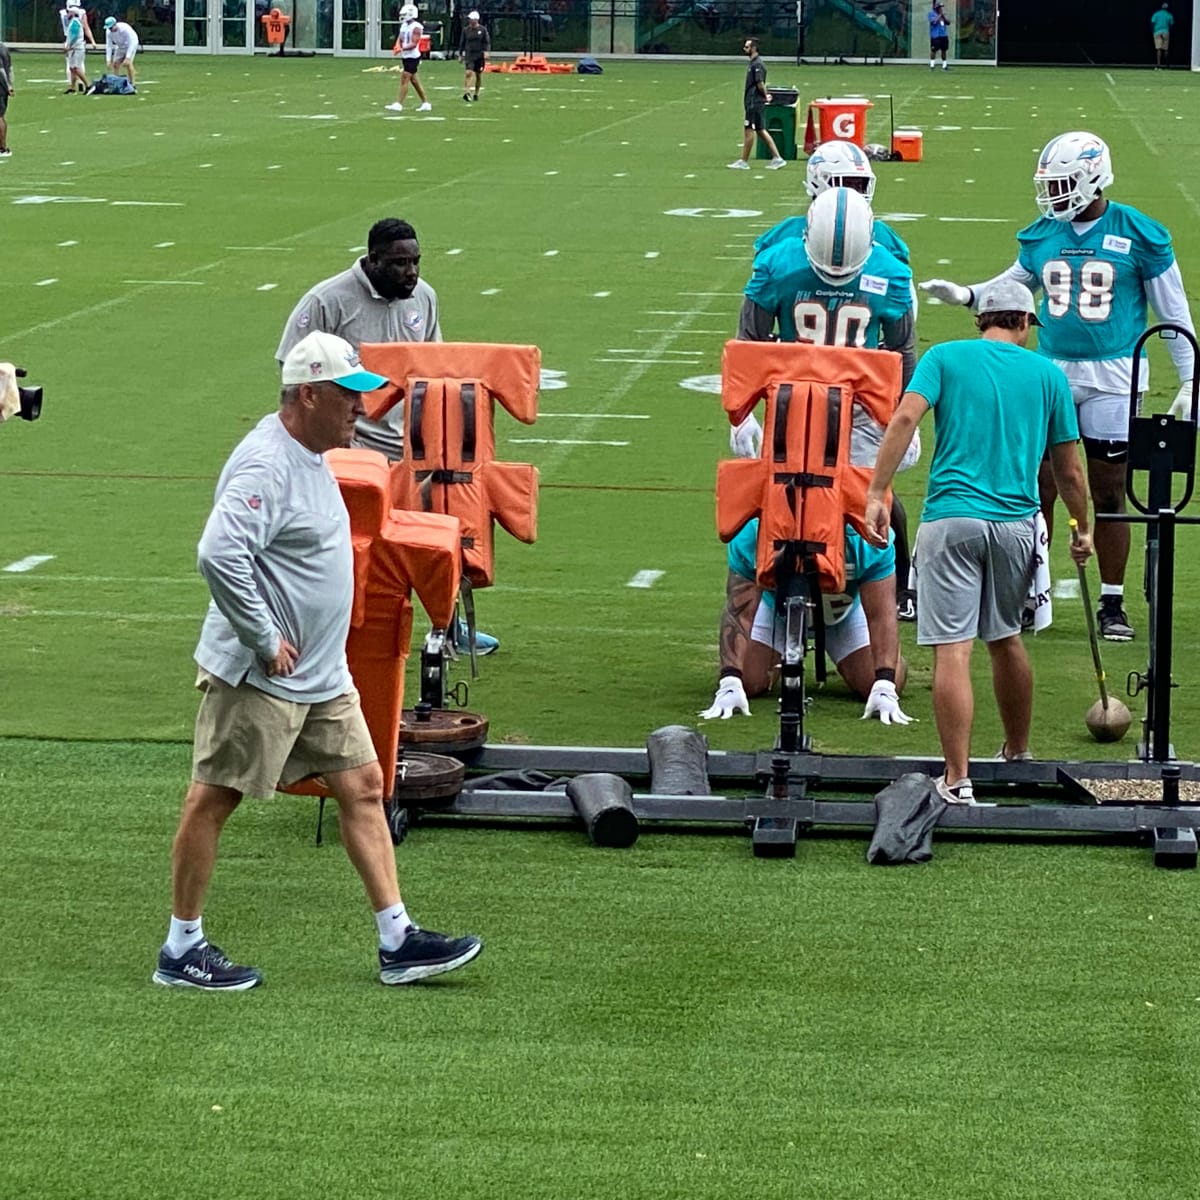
[472, 15]
[1007, 295]
[326, 358]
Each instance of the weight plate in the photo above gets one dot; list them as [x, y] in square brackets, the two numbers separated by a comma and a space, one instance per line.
[448, 731]
[427, 777]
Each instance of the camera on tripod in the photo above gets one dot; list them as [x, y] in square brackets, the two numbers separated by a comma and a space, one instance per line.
[17, 401]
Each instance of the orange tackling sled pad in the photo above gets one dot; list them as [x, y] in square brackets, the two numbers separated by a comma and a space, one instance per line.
[449, 390]
[396, 553]
[802, 487]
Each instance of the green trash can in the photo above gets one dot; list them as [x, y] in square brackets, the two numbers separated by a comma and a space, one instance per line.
[779, 120]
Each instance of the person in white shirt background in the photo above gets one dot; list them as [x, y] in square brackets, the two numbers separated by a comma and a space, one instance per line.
[120, 47]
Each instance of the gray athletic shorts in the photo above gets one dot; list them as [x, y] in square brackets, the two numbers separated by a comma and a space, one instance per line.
[251, 742]
[972, 578]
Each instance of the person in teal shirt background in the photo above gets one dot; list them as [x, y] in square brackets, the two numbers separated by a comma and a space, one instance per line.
[1160, 26]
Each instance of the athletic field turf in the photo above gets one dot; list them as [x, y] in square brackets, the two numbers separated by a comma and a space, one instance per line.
[1014, 1020]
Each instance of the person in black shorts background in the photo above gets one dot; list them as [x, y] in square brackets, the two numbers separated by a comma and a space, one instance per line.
[475, 44]
[755, 98]
[939, 35]
[6, 90]
[408, 46]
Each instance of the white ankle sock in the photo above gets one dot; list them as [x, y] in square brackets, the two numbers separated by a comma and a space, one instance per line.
[1113, 589]
[394, 925]
[184, 935]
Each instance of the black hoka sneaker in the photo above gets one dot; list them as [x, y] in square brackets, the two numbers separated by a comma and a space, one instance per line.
[425, 954]
[1114, 624]
[205, 966]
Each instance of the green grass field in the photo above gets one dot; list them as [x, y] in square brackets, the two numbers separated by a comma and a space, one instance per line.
[1016, 1020]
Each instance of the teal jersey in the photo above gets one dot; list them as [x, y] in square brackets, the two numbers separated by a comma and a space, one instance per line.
[807, 309]
[1093, 284]
[864, 563]
[996, 406]
[794, 227]
[1161, 21]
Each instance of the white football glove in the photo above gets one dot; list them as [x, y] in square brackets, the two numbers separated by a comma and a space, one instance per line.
[885, 704]
[730, 698]
[947, 292]
[745, 440]
[1181, 406]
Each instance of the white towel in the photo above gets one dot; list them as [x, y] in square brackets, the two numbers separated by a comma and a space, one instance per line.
[1039, 590]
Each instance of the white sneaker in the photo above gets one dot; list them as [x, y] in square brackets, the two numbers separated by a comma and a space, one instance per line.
[961, 793]
[425, 107]
[395, 106]
[1002, 755]
[739, 165]
[776, 163]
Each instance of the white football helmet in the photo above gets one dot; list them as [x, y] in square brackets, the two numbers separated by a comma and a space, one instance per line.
[1072, 171]
[838, 234]
[408, 12]
[839, 164]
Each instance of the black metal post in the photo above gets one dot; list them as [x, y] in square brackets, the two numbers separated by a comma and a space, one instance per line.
[1159, 702]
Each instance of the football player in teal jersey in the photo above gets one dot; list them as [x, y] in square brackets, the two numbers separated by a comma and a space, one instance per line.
[1098, 264]
[860, 631]
[838, 287]
[834, 165]
[835, 286]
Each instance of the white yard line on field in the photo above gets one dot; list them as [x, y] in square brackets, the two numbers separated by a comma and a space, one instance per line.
[27, 564]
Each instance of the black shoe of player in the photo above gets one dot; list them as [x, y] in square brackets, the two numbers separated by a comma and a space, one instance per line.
[425, 954]
[1114, 624]
[906, 605]
[205, 966]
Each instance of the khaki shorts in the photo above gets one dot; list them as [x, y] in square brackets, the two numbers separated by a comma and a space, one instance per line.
[251, 742]
[1161, 41]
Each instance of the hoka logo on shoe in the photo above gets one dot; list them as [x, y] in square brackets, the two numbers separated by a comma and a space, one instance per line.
[196, 973]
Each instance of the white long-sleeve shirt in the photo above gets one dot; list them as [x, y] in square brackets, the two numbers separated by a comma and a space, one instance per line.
[119, 41]
[277, 557]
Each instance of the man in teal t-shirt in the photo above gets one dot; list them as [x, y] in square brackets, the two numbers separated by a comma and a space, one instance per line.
[1160, 26]
[996, 408]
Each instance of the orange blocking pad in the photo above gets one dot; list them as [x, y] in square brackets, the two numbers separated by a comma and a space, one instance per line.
[395, 554]
[907, 144]
[449, 465]
[804, 486]
[842, 119]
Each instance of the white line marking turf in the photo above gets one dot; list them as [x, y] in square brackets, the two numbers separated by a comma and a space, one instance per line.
[77, 614]
[45, 282]
[562, 442]
[597, 416]
[645, 579]
[666, 362]
[27, 564]
[1066, 589]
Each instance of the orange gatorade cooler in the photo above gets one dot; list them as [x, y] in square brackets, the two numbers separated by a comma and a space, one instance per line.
[907, 144]
[842, 119]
